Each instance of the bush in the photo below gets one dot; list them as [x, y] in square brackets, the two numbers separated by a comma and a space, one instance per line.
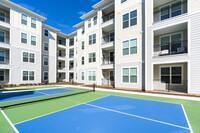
[11, 85]
[35, 84]
[5, 85]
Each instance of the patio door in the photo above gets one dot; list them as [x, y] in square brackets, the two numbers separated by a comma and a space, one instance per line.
[2, 36]
[112, 56]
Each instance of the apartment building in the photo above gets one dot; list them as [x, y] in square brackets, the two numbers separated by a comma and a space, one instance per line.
[172, 45]
[20, 44]
[145, 45]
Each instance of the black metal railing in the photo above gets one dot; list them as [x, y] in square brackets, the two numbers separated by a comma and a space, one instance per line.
[71, 44]
[71, 80]
[60, 80]
[4, 60]
[71, 56]
[171, 86]
[108, 60]
[108, 17]
[108, 82]
[5, 19]
[173, 10]
[107, 39]
[62, 54]
[71, 67]
[60, 67]
[171, 48]
[62, 43]
[4, 39]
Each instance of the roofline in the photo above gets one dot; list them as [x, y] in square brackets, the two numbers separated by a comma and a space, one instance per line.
[91, 13]
[62, 35]
[50, 28]
[15, 6]
[81, 24]
[72, 34]
[101, 3]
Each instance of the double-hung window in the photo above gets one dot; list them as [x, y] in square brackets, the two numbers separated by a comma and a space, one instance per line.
[25, 57]
[95, 20]
[133, 46]
[2, 36]
[133, 18]
[165, 12]
[33, 40]
[122, 1]
[46, 46]
[126, 47]
[125, 20]
[83, 30]
[46, 76]
[92, 57]
[83, 76]
[129, 75]
[46, 32]
[23, 38]
[176, 9]
[31, 75]
[92, 39]
[25, 75]
[133, 75]
[83, 45]
[46, 61]
[32, 57]
[2, 75]
[2, 56]
[92, 76]
[33, 23]
[83, 60]
[89, 23]
[24, 19]
[2, 16]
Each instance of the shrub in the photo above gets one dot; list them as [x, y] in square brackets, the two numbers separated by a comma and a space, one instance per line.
[12, 85]
[5, 85]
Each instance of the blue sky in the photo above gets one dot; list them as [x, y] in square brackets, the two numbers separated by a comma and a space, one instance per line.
[61, 14]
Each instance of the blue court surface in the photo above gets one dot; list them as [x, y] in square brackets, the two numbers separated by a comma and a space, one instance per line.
[112, 114]
[9, 96]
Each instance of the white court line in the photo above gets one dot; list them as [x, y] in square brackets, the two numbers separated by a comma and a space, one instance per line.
[58, 111]
[137, 116]
[42, 93]
[187, 118]
[9, 122]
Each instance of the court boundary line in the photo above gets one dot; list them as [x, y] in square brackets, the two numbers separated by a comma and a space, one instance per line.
[187, 118]
[138, 116]
[57, 111]
[9, 121]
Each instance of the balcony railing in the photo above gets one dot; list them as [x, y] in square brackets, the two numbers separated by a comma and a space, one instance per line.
[107, 39]
[71, 56]
[108, 60]
[60, 67]
[62, 43]
[71, 44]
[61, 55]
[60, 80]
[71, 67]
[171, 48]
[5, 19]
[177, 86]
[108, 17]
[107, 82]
[4, 60]
[4, 39]
[170, 10]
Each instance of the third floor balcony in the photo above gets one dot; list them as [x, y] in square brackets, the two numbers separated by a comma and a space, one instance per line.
[4, 14]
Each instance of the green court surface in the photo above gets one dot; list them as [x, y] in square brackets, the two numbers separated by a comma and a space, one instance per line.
[29, 111]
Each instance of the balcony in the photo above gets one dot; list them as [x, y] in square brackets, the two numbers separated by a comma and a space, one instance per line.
[61, 67]
[171, 48]
[108, 41]
[107, 82]
[108, 60]
[71, 68]
[71, 44]
[71, 56]
[62, 54]
[164, 10]
[4, 60]
[4, 78]
[4, 39]
[4, 14]
[108, 17]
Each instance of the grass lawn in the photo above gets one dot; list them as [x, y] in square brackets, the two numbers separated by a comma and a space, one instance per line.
[28, 111]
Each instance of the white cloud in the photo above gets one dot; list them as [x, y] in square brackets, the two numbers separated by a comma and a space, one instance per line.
[82, 13]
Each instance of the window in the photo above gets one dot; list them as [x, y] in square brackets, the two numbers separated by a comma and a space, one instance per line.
[133, 75]
[125, 20]
[25, 57]
[92, 57]
[83, 60]
[32, 58]
[126, 48]
[126, 75]
[46, 46]
[31, 75]
[112, 36]
[2, 75]
[83, 76]
[2, 36]
[122, 1]
[176, 9]
[92, 39]
[165, 13]
[2, 16]
[92, 76]
[46, 32]
[25, 75]
[133, 46]
[133, 18]
[129, 75]
[23, 38]
[89, 23]
[33, 40]
[46, 61]
[83, 30]
[165, 75]
[2, 56]
[46, 76]
[59, 41]
[95, 20]
[24, 19]
[33, 23]
[83, 45]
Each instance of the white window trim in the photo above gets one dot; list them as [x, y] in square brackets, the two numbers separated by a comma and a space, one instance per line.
[35, 22]
[4, 54]
[35, 40]
[26, 19]
[129, 47]
[43, 75]
[43, 60]
[34, 57]
[23, 56]
[4, 36]
[95, 76]
[44, 45]
[26, 38]
[129, 26]
[170, 75]
[44, 32]
[129, 67]
[82, 76]
[5, 15]
[28, 76]
[4, 76]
